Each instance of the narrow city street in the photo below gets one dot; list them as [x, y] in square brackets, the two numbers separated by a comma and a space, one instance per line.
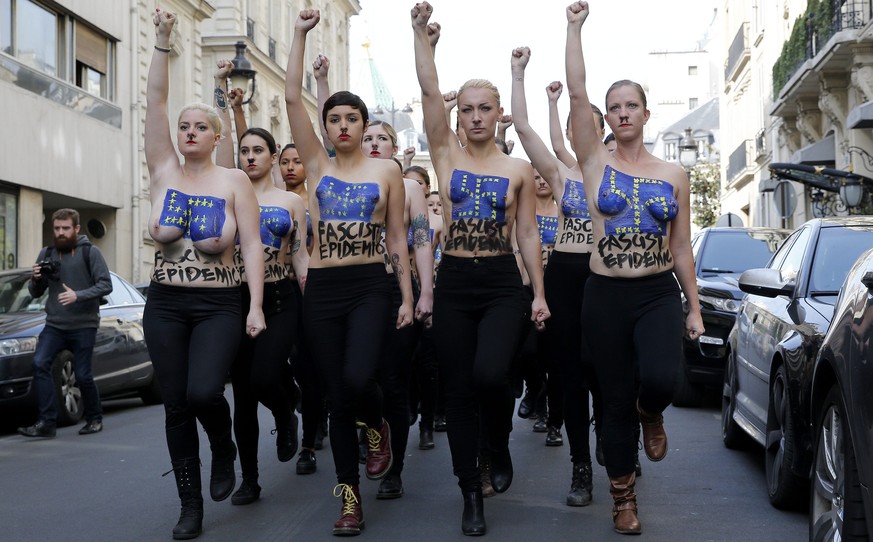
[108, 487]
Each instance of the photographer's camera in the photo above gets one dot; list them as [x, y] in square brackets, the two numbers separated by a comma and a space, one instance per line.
[49, 269]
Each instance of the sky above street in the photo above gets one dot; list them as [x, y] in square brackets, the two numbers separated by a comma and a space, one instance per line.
[478, 37]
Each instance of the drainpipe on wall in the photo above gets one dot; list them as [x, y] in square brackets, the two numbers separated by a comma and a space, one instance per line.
[135, 165]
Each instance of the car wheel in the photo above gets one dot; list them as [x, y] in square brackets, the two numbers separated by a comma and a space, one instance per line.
[151, 394]
[685, 394]
[732, 435]
[836, 508]
[70, 405]
[785, 489]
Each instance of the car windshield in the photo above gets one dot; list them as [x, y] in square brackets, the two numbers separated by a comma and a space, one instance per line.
[736, 251]
[838, 249]
[14, 296]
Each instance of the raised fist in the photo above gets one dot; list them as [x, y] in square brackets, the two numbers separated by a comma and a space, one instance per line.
[421, 13]
[307, 19]
[553, 91]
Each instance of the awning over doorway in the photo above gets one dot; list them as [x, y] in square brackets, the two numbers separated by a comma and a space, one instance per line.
[820, 153]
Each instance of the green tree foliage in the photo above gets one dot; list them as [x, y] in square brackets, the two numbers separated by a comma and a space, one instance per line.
[705, 181]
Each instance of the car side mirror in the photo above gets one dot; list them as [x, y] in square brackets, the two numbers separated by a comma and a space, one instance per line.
[765, 282]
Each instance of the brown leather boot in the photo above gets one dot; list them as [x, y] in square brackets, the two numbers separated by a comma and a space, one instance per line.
[624, 508]
[351, 519]
[379, 459]
[654, 436]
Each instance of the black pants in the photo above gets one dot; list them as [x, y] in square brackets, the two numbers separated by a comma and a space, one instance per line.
[345, 310]
[261, 372]
[479, 311]
[394, 374]
[568, 359]
[626, 320]
[529, 365]
[312, 408]
[192, 336]
[424, 388]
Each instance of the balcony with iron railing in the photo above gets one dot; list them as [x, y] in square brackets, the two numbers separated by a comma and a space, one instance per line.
[741, 163]
[738, 54]
[812, 32]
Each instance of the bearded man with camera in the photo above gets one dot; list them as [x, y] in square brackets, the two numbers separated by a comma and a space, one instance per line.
[77, 277]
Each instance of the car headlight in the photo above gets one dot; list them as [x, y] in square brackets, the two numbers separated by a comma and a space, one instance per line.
[12, 347]
[726, 304]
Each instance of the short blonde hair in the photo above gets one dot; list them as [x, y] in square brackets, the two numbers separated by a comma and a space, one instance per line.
[211, 115]
[480, 83]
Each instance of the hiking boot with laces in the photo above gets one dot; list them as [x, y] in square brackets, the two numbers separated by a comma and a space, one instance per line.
[351, 519]
[379, 458]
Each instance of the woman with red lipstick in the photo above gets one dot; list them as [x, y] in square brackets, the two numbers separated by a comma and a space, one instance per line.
[192, 317]
[479, 304]
[313, 413]
[380, 141]
[260, 372]
[348, 294]
[632, 310]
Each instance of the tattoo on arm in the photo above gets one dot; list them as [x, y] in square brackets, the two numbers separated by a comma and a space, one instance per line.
[395, 265]
[420, 231]
[221, 99]
[295, 239]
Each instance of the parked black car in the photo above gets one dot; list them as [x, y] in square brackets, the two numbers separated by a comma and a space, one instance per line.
[121, 364]
[774, 343]
[720, 255]
[841, 504]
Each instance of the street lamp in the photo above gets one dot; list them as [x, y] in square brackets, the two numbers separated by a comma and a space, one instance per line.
[851, 192]
[688, 150]
[242, 71]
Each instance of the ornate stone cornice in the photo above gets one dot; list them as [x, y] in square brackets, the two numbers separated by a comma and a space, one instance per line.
[788, 135]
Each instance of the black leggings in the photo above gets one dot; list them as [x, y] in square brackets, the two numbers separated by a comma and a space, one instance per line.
[394, 374]
[627, 321]
[261, 372]
[312, 409]
[192, 336]
[424, 389]
[345, 310]
[479, 311]
[569, 361]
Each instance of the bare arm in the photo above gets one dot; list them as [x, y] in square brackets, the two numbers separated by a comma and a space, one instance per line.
[299, 254]
[320, 68]
[528, 238]
[395, 241]
[224, 152]
[235, 97]
[683, 261]
[408, 155]
[438, 131]
[159, 150]
[310, 149]
[421, 250]
[536, 150]
[585, 142]
[503, 124]
[248, 218]
[556, 133]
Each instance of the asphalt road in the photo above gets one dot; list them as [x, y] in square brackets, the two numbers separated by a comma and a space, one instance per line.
[108, 487]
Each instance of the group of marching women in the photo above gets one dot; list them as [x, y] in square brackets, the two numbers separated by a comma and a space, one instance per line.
[342, 267]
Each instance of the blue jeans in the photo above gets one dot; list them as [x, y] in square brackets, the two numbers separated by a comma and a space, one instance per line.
[81, 343]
